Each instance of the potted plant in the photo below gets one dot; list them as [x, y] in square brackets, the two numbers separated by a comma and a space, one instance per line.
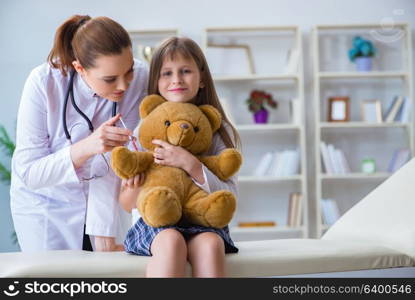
[362, 53]
[257, 103]
[7, 146]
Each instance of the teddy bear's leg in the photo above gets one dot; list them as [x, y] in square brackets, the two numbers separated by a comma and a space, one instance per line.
[159, 206]
[211, 210]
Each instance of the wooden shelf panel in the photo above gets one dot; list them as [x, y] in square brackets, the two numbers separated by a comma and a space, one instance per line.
[371, 74]
[327, 125]
[266, 179]
[359, 176]
[222, 78]
[267, 127]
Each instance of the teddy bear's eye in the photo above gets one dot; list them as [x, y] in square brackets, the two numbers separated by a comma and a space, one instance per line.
[167, 123]
[196, 129]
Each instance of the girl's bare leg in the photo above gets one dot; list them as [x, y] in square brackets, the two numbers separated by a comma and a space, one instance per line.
[169, 252]
[206, 253]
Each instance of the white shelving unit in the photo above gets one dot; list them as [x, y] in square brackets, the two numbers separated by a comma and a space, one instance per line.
[145, 40]
[242, 59]
[334, 75]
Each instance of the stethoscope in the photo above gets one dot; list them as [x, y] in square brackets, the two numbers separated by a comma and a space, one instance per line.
[69, 92]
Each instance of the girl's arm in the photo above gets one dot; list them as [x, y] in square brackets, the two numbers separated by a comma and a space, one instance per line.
[176, 156]
[167, 154]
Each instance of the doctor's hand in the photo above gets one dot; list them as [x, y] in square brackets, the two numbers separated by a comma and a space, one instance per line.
[105, 243]
[105, 138]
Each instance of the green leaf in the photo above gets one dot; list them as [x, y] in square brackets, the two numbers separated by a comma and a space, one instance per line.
[13, 237]
[6, 144]
[5, 174]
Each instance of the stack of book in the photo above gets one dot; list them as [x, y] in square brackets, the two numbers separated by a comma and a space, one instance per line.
[330, 211]
[285, 163]
[399, 158]
[398, 110]
[334, 160]
[295, 210]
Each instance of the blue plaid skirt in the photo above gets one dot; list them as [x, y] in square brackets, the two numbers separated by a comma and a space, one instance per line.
[140, 236]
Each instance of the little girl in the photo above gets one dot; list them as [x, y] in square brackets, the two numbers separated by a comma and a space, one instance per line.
[179, 72]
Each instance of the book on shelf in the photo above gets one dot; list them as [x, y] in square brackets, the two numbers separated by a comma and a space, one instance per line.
[257, 224]
[295, 209]
[293, 58]
[329, 211]
[264, 164]
[395, 108]
[279, 163]
[333, 159]
[295, 111]
[404, 113]
[399, 158]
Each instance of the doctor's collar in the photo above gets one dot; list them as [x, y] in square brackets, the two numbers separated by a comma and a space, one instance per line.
[84, 88]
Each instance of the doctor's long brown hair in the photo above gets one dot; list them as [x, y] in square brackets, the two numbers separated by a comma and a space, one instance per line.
[84, 38]
[206, 95]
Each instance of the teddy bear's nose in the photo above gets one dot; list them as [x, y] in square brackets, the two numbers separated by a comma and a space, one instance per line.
[184, 126]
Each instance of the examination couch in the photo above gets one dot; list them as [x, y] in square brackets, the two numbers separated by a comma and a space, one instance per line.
[375, 238]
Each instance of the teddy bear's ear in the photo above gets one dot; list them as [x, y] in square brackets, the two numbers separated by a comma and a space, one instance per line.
[213, 116]
[149, 103]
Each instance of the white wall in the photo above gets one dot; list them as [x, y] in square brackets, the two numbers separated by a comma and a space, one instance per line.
[27, 29]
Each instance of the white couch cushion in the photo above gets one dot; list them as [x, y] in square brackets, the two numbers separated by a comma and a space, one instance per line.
[255, 259]
[385, 217]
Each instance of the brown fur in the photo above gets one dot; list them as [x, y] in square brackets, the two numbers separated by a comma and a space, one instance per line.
[169, 192]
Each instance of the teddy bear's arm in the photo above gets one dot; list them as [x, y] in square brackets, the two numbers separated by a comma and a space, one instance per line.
[224, 165]
[127, 164]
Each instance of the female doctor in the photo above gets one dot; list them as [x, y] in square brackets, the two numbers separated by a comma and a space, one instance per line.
[63, 188]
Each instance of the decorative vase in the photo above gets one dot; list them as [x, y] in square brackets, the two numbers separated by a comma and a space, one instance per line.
[261, 116]
[363, 63]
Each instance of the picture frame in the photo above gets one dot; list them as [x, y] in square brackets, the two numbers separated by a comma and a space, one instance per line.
[230, 59]
[371, 111]
[339, 109]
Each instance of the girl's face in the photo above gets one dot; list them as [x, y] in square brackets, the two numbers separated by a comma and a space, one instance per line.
[111, 75]
[179, 79]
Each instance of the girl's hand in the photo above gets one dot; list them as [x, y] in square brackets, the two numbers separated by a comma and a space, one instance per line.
[176, 156]
[129, 192]
[133, 182]
[107, 136]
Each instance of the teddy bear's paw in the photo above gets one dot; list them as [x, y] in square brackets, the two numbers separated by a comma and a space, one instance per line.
[119, 162]
[220, 209]
[160, 206]
[230, 161]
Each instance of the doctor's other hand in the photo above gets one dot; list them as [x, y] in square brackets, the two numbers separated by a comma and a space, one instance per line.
[106, 244]
[107, 136]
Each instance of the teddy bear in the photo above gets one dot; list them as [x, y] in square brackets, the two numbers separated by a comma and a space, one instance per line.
[169, 193]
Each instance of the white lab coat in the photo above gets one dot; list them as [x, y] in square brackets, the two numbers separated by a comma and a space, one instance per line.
[49, 202]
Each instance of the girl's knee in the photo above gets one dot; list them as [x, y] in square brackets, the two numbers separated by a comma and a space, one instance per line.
[210, 243]
[169, 241]
[214, 242]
